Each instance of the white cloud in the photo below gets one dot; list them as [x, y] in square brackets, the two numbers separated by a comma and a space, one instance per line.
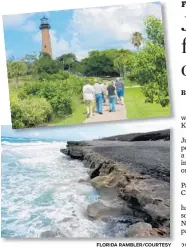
[30, 26]
[96, 25]
[20, 22]
[81, 54]
[37, 37]
[61, 46]
[15, 20]
[99, 28]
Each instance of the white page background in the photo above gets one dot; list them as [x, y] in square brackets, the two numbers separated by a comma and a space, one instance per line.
[173, 16]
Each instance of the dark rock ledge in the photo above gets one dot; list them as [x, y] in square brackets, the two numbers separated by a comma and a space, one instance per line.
[137, 168]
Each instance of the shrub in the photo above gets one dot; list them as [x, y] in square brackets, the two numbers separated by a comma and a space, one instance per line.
[46, 65]
[56, 92]
[27, 89]
[75, 84]
[16, 113]
[59, 93]
[61, 75]
[30, 112]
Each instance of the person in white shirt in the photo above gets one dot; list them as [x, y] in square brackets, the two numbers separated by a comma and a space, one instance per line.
[88, 97]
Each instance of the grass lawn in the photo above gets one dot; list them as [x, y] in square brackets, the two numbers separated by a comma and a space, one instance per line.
[137, 108]
[128, 83]
[78, 117]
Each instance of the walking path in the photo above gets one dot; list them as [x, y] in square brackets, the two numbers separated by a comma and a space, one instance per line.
[119, 114]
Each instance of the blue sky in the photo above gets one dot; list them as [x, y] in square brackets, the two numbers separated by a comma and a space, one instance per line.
[86, 132]
[77, 31]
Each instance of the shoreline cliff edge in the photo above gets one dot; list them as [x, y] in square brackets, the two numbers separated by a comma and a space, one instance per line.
[136, 169]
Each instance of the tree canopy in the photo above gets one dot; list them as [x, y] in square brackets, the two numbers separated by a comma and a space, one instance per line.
[67, 60]
[45, 65]
[154, 30]
[16, 69]
[137, 39]
[148, 66]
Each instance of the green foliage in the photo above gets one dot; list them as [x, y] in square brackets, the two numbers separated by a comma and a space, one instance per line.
[29, 112]
[100, 63]
[59, 93]
[75, 85]
[154, 30]
[149, 69]
[67, 60]
[148, 66]
[77, 117]
[16, 69]
[56, 91]
[121, 61]
[29, 61]
[16, 113]
[137, 39]
[78, 68]
[91, 80]
[45, 66]
[61, 75]
[155, 92]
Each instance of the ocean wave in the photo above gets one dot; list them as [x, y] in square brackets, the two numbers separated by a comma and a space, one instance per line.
[41, 192]
[35, 144]
[22, 140]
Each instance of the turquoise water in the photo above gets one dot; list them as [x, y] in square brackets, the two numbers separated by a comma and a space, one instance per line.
[40, 192]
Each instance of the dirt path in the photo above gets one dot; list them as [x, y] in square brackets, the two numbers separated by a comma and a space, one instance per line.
[119, 114]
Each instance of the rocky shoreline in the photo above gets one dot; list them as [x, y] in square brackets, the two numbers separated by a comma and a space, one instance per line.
[135, 169]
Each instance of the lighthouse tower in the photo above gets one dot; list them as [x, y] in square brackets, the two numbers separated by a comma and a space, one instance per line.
[46, 43]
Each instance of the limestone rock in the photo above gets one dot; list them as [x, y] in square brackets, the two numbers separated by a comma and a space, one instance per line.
[154, 232]
[158, 212]
[109, 181]
[100, 210]
[83, 181]
[52, 234]
[134, 168]
[96, 209]
[76, 152]
[64, 151]
[138, 228]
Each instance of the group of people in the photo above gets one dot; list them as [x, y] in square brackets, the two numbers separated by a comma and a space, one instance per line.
[99, 93]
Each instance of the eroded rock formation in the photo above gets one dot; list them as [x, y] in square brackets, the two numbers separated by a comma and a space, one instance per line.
[136, 168]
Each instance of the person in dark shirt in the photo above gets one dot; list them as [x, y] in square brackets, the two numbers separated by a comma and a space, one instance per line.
[112, 97]
[120, 90]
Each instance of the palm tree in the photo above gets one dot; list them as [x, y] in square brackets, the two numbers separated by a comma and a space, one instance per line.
[137, 39]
